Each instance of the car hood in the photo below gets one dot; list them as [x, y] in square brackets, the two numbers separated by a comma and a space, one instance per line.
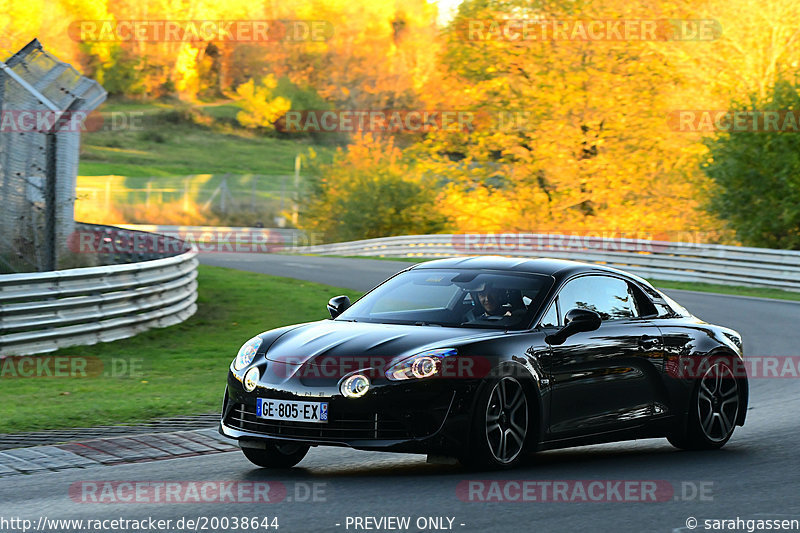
[319, 342]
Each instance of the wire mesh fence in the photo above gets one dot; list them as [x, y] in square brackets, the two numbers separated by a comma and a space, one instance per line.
[199, 199]
[43, 103]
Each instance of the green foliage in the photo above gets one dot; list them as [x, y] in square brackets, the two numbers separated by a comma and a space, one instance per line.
[757, 177]
[302, 97]
[121, 74]
[369, 191]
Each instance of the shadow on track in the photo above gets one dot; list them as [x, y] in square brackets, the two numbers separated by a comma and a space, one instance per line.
[629, 460]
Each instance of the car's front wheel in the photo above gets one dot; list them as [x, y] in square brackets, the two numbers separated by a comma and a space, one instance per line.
[284, 455]
[500, 425]
[713, 410]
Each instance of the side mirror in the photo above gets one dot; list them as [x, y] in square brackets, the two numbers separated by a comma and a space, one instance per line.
[337, 305]
[575, 321]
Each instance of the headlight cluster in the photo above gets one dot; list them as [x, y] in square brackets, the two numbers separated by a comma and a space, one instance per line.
[735, 339]
[420, 366]
[246, 353]
[355, 386]
[251, 379]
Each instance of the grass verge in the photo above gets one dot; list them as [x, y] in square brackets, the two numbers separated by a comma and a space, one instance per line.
[181, 369]
[166, 139]
[735, 290]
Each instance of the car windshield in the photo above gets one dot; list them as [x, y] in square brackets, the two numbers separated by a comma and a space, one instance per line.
[454, 298]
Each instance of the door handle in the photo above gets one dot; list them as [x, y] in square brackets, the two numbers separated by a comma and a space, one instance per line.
[647, 342]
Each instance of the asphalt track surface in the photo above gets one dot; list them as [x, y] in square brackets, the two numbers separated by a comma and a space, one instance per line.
[755, 477]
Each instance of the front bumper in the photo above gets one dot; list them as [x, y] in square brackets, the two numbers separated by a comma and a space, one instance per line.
[417, 417]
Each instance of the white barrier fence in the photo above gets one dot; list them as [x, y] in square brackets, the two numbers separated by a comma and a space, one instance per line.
[41, 312]
[710, 263]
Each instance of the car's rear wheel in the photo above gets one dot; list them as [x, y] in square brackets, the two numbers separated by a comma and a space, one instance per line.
[500, 425]
[284, 455]
[713, 410]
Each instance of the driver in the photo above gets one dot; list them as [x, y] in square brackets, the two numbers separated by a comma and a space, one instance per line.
[491, 300]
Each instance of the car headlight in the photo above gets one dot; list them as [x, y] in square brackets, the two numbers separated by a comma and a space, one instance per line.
[246, 353]
[251, 379]
[355, 386]
[420, 366]
[735, 339]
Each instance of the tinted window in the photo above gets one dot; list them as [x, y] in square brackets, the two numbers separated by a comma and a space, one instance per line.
[607, 296]
[643, 305]
[676, 307]
[550, 318]
[406, 298]
[469, 298]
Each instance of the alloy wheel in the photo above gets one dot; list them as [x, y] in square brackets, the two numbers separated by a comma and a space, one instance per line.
[718, 402]
[506, 420]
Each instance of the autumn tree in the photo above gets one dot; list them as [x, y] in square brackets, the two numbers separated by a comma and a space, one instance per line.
[757, 45]
[369, 190]
[378, 54]
[569, 134]
[260, 107]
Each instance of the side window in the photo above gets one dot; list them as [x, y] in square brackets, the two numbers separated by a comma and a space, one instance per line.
[675, 306]
[607, 296]
[643, 305]
[660, 302]
[663, 310]
[550, 318]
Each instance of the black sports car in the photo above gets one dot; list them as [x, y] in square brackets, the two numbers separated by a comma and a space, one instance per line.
[484, 359]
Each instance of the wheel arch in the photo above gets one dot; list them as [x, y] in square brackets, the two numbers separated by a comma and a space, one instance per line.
[530, 383]
[741, 380]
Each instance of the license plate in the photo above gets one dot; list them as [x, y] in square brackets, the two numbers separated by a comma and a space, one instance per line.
[292, 411]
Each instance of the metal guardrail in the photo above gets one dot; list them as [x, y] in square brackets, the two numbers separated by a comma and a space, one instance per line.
[710, 263]
[42, 312]
[289, 236]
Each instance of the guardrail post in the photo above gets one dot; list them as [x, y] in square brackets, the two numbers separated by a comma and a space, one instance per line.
[51, 248]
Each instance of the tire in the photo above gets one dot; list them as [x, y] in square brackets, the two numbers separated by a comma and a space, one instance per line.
[714, 408]
[284, 455]
[501, 425]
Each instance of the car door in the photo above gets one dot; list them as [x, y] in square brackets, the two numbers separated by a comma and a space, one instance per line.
[604, 379]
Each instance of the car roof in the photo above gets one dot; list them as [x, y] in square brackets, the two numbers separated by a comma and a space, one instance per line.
[558, 268]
